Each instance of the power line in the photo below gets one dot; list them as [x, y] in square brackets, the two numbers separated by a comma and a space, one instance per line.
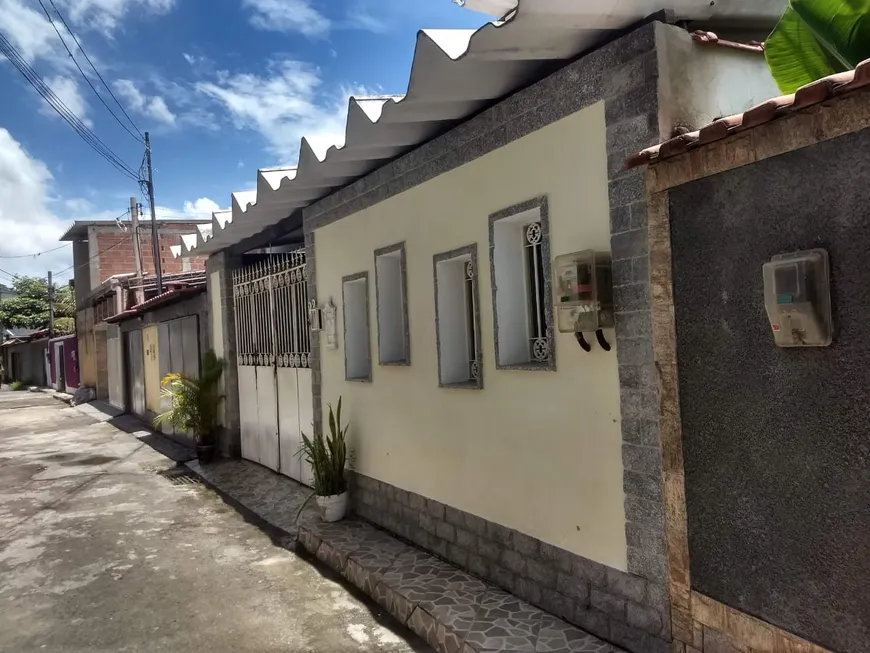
[62, 110]
[36, 253]
[87, 79]
[75, 267]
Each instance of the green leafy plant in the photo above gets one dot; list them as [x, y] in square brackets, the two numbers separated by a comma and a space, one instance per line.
[195, 401]
[17, 386]
[817, 38]
[327, 456]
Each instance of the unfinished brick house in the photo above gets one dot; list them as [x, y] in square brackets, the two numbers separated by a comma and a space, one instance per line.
[103, 252]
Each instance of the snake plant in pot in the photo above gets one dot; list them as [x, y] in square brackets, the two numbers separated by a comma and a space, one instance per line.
[194, 404]
[327, 455]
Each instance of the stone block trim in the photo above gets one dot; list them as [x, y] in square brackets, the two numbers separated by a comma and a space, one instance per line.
[624, 608]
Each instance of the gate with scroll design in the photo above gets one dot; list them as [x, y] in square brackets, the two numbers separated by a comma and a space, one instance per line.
[273, 346]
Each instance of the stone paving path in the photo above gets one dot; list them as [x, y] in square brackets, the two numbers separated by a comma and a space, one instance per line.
[452, 610]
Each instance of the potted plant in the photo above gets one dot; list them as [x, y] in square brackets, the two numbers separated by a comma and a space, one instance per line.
[195, 403]
[327, 456]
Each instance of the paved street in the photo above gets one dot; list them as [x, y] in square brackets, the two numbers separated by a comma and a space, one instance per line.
[100, 552]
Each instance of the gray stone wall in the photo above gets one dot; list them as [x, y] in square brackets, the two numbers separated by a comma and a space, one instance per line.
[229, 439]
[620, 607]
[777, 463]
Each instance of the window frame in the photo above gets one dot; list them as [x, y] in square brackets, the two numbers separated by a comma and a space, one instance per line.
[403, 275]
[470, 251]
[541, 205]
[357, 278]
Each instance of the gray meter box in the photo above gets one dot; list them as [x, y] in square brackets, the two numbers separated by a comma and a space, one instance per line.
[797, 297]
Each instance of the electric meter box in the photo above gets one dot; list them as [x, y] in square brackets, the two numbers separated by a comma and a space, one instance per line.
[583, 291]
[797, 296]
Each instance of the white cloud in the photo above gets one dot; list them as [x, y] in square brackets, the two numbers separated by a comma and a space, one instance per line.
[199, 209]
[153, 106]
[27, 220]
[284, 106]
[67, 90]
[106, 15]
[287, 16]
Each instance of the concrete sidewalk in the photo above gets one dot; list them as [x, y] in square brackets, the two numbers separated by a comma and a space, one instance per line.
[449, 608]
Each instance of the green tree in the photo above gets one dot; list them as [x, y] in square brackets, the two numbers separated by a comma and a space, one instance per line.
[817, 38]
[29, 310]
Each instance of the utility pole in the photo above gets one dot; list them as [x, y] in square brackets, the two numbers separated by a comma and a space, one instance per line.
[137, 251]
[155, 239]
[50, 306]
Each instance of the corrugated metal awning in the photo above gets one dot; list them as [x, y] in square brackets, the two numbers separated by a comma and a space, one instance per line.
[454, 75]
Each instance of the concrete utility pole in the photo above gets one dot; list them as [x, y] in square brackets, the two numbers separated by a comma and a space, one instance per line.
[50, 306]
[155, 239]
[137, 251]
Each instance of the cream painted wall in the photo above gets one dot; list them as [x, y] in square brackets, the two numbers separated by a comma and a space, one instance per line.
[539, 452]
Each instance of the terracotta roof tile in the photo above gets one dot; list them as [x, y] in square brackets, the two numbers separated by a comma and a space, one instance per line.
[702, 36]
[807, 96]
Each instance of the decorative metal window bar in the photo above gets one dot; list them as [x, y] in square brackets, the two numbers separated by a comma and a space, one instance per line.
[539, 347]
[271, 306]
[470, 322]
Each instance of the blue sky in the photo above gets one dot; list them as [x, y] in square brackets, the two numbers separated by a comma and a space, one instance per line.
[224, 87]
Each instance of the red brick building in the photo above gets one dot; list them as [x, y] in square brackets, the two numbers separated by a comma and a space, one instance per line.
[103, 249]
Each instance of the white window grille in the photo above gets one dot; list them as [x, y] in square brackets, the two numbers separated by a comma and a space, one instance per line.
[458, 319]
[270, 298]
[357, 348]
[521, 287]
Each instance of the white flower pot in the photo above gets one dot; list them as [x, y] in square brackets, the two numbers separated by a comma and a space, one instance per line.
[333, 508]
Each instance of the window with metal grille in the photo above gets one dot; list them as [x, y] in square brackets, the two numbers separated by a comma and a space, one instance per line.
[458, 319]
[522, 304]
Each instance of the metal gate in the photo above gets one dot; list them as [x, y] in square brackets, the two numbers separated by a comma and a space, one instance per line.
[273, 348]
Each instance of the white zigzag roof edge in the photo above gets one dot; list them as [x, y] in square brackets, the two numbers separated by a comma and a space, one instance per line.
[454, 74]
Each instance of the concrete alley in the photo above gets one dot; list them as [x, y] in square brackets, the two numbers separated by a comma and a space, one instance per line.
[100, 550]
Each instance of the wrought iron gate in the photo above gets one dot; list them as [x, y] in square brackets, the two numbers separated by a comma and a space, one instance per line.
[273, 345]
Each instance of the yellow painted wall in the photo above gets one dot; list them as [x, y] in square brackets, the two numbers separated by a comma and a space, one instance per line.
[152, 368]
[539, 452]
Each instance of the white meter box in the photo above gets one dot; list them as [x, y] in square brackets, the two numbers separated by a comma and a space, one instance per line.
[583, 291]
[797, 297]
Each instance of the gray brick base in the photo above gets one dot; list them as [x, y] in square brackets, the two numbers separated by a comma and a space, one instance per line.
[625, 609]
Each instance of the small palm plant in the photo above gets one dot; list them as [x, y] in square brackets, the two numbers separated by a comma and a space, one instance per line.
[327, 456]
[195, 401]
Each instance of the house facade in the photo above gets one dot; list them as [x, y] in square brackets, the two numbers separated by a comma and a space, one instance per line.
[485, 428]
[105, 268]
[166, 333]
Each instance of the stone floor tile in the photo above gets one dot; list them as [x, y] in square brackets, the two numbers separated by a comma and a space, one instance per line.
[557, 636]
[505, 623]
[393, 602]
[453, 608]
[425, 625]
[379, 553]
[365, 579]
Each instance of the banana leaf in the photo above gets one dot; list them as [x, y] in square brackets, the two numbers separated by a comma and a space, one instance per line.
[817, 38]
